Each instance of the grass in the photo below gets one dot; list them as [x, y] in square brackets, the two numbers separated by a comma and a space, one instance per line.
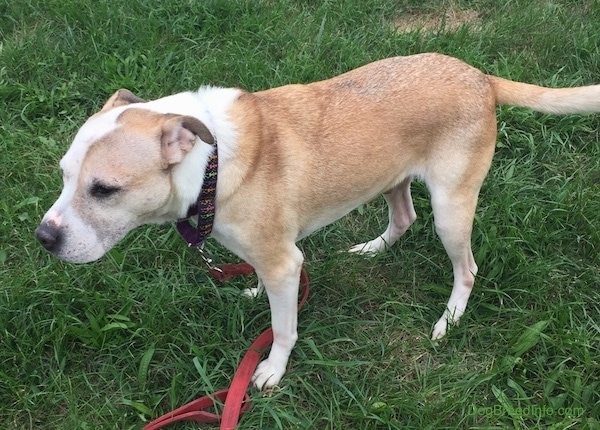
[115, 343]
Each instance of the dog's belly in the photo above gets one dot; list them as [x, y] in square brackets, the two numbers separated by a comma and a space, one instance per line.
[327, 218]
[344, 201]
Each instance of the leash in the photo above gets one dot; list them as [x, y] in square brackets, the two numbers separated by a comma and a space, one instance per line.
[236, 399]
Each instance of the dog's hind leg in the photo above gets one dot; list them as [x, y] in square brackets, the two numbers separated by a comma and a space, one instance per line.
[454, 210]
[401, 216]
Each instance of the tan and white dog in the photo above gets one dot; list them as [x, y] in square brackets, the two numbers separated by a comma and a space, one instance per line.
[292, 160]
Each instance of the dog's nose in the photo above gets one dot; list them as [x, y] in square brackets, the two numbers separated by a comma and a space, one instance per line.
[49, 236]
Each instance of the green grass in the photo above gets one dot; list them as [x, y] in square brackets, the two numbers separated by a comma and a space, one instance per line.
[115, 343]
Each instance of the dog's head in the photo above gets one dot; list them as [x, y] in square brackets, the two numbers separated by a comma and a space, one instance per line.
[119, 174]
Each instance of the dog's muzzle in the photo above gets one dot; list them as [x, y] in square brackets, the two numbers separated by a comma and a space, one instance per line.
[49, 236]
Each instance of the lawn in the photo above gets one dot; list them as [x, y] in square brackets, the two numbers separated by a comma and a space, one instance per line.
[115, 343]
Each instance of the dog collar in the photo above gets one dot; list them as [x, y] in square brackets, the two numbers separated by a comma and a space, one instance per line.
[204, 207]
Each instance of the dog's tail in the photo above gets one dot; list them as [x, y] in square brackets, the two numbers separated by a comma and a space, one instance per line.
[547, 100]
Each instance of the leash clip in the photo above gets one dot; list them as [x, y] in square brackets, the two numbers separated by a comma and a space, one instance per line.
[207, 260]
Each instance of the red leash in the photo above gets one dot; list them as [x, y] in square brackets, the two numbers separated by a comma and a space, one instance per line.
[236, 399]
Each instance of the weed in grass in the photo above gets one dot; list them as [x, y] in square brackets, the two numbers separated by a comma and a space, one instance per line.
[144, 330]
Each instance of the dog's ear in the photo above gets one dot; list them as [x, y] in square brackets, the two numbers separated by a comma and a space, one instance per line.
[120, 98]
[179, 135]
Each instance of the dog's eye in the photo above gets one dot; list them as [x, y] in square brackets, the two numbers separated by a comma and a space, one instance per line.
[99, 190]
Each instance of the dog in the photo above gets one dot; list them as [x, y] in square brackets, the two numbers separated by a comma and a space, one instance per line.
[294, 159]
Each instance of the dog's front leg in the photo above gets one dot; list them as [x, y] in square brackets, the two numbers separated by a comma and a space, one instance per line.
[281, 284]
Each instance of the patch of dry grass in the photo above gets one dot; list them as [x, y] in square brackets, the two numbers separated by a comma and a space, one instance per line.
[449, 20]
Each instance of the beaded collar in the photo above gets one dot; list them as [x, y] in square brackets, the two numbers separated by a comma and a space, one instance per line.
[204, 207]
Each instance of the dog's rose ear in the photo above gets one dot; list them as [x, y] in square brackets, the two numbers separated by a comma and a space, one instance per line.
[179, 135]
[120, 98]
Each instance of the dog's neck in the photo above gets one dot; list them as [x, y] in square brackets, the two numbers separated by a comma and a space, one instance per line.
[211, 105]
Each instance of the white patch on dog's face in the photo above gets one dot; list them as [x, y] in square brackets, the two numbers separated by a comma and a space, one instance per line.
[114, 181]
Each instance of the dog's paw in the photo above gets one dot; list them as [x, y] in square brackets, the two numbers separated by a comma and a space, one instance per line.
[447, 320]
[439, 329]
[370, 248]
[254, 292]
[267, 375]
